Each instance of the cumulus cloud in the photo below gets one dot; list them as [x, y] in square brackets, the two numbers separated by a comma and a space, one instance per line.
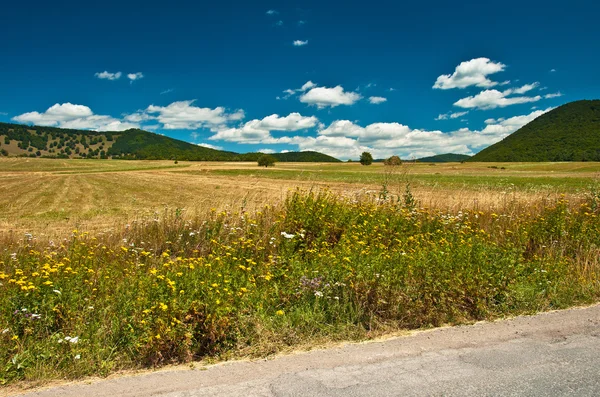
[68, 115]
[106, 75]
[266, 151]
[386, 139]
[347, 139]
[470, 73]
[259, 131]
[491, 99]
[323, 97]
[300, 43]
[272, 12]
[135, 76]
[450, 115]
[376, 100]
[507, 126]
[184, 115]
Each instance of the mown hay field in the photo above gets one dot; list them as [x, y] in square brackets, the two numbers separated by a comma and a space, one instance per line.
[48, 197]
[116, 265]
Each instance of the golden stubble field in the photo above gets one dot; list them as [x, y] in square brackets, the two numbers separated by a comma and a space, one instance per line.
[49, 197]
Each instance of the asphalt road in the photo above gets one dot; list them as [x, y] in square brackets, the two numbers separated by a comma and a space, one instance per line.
[552, 354]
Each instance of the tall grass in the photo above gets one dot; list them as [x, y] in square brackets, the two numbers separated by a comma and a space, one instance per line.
[319, 266]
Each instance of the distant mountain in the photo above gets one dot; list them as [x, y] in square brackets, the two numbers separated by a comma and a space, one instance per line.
[445, 158]
[52, 142]
[570, 132]
[308, 156]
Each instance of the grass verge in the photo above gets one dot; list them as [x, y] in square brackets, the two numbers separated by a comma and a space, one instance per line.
[317, 267]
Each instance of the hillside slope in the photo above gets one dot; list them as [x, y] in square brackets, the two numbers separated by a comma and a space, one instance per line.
[51, 142]
[444, 158]
[570, 132]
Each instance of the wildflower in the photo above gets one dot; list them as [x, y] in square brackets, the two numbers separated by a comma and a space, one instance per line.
[279, 312]
[77, 357]
[287, 235]
[318, 294]
[72, 339]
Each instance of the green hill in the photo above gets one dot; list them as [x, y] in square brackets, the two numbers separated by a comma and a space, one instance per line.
[308, 156]
[570, 132]
[445, 158]
[51, 142]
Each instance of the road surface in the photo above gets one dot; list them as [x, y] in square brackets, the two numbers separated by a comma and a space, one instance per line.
[551, 354]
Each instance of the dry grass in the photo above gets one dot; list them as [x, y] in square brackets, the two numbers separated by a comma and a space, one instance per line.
[50, 197]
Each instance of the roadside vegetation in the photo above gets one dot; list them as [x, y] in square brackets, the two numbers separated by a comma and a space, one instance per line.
[317, 267]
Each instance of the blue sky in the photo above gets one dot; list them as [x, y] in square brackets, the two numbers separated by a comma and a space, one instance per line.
[338, 77]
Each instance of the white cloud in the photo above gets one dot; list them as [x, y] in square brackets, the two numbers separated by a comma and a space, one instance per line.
[346, 139]
[135, 76]
[451, 115]
[259, 131]
[376, 100]
[290, 92]
[168, 91]
[68, 115]
[106, 75]
[494, 121]
[138, 117]
[491, 99]
[266, 151]
[272, 12]
[521, 90]
[300, 43]
[279, 23]
[324, 96]
[183, 115]
[552, 70]
[470, 73]
[555, 95]
[208, 145]
[300, 23]
[507, 126]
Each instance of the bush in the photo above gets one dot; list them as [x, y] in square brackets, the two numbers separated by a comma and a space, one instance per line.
[366, 158]
[394, 160]
[266, 160]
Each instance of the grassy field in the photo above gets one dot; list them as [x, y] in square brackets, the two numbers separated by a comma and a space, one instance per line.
[112, 265]
[49, 197]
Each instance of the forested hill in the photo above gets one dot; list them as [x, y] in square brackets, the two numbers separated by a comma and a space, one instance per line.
[52, 142]
[444, 158]
[570, 132]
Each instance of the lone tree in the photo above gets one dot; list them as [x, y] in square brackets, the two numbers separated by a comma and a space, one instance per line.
[266, 160]
[366, 158]
[394, 160]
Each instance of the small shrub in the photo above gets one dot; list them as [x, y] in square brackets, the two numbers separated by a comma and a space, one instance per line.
[366, 158]
[266, 160]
